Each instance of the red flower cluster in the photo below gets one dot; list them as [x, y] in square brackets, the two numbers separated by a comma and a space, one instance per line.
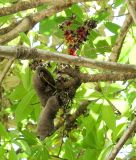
[75, 38]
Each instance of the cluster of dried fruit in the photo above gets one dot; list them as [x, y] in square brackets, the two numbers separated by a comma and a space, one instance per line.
[75, 38]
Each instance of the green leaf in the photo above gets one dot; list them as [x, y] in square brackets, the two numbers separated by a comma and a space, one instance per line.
[90, 154]
[105, 152]
[23, 108]
[69, 154]
[23, 144]
[24, 38]
[112, 27]
[29, 137]
[27, 78]
[45, 154]
[131, 97]
[76, 9]
[113, 39]
[118, 3]
[118, 131]
[90, 121]
[5, 19]
[39, 153]
[89, 50]
[18, 93]
[93, 35]
[3, 131]
[102, 15]
[37, 110]
[12, 155]
[109, 117]
[100, 132]
[102, 46]
[47, 26]
[90, 140]
[2, 151]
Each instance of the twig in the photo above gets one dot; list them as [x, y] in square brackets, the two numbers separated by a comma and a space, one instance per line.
[6, 69]
[122, 140]
[123, 88]
[61, 143]
[22, 52]
[131, 7]
[119, 42]
[120, 15]
[113, 106]
[58, 157]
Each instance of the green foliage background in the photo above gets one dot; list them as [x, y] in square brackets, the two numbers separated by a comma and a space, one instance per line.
[100, 128]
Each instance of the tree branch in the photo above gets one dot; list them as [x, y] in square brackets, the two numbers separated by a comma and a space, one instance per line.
[85, 77]
[122, 140]
[27, 23]
[6, 69]
[9, 28]
[119, 42]
[32, 53]
[20, 6]
[24, 5]
[106, 77]
[131, 7]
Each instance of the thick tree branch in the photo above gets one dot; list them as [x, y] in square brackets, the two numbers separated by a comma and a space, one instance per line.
[24, 5]
[20, 6]
[106, 77]
[122, 140]
[23, 26]
[119, 42]
[85, 77]
[27, 23]
[6, 69]
[9, 28]
[32, 53]
[131, 7]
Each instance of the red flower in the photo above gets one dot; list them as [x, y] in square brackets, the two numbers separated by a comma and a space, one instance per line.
[72, 51]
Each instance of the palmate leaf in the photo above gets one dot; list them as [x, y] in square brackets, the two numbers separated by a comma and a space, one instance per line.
[69, 151]
[109, 117]
[29, 137]
[3, 131]
[23, 108]
[39, 152]
[26, 77]
[48, 26]
[113, 27]
[91, 154]
[12, 154]
[2, 151]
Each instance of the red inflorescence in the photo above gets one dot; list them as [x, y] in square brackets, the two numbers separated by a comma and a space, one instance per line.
[75, 38]
[72, 51]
